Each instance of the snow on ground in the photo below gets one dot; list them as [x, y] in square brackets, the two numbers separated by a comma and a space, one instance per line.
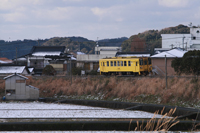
[52, 110]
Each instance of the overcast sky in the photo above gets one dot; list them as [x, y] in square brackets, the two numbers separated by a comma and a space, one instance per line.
[41, 19]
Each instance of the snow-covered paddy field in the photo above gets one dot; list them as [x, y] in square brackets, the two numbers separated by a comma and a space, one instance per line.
[52, 110]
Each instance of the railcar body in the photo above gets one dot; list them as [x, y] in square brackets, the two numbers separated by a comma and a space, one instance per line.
[125, 65]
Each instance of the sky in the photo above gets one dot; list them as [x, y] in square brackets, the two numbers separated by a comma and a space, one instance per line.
[92, 19]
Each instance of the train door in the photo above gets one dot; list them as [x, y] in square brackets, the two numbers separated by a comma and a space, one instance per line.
[137, 66]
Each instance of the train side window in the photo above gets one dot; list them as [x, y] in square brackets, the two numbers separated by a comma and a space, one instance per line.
[114, 63]
[118, 64]
[111, 63]
[107, 63]
[103, 64]
[124, 63]
[129, 63]
[121, 63]
[136, 63]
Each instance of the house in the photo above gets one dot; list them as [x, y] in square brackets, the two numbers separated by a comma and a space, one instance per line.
[10, 69]
[16, 88]
[158, 61]
[40, 56]
[90, 62]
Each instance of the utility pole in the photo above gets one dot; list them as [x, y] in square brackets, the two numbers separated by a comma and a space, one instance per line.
[165, 72]
[183, 42]
[71, 70]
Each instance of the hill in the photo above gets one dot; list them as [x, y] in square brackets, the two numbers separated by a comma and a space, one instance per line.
[153, 37]
[83, 44]
[8, 49]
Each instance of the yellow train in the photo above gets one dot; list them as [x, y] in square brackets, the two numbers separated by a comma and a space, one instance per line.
[125, 66]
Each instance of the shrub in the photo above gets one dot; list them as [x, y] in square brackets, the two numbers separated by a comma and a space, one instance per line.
[76, 70]
[49, 70]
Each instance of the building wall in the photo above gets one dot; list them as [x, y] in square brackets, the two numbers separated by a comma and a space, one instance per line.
[175, 40]
[159, 65]
[18, 84]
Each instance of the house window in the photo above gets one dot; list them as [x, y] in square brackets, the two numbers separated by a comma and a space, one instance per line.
[124, 63]
[111, 63]
[20, 81]
[198, 31]
[129, 63]
[107, 63]
[10, 92]
[194, 38]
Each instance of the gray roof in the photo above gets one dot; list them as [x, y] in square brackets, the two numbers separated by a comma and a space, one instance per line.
[12, 69]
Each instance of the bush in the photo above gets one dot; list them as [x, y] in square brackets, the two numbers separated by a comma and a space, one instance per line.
[76, 70]
[49, 70]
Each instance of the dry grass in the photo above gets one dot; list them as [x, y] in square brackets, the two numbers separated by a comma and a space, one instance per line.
[179, 89]
[162, 124]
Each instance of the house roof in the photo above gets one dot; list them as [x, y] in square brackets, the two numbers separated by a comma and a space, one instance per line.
[170, 54]
[47, 50]
[5, 60]
[9, 76]
[12, 69]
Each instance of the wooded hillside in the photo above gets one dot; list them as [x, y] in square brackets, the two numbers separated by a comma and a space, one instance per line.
[153, 37]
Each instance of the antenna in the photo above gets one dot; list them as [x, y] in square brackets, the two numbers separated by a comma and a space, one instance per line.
[190, 24]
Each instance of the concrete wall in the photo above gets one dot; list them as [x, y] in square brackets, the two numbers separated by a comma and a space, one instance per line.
[159, 65]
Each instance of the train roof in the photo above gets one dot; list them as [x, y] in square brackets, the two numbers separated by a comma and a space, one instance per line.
[127, 57]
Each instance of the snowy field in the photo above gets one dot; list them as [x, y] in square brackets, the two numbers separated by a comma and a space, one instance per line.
[51, 110]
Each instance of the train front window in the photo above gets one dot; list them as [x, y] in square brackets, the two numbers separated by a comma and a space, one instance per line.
[111, 63]
[141, 62]
[124, 63]
[118, 63]
[107, 63]
[129, 63]
[121, 63]
[145, 62]
[149, 61]
[114, 63]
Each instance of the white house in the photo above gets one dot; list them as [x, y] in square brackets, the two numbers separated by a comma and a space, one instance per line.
[16, 88]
